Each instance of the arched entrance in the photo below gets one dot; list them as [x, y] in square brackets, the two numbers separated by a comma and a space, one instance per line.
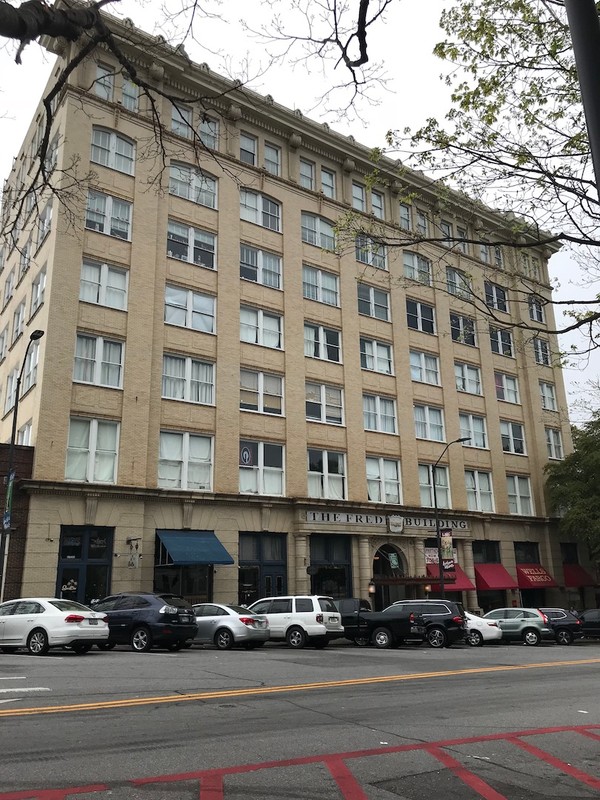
[389, 564]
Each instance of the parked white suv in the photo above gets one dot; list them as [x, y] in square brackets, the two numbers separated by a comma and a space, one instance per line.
[301, 619]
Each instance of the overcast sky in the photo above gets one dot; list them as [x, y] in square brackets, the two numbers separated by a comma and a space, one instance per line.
[414, 92]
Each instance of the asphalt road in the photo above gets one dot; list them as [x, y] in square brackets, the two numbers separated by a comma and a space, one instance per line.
[505, 721]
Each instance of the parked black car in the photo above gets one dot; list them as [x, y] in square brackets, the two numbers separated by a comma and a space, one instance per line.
[351, 610]
[444, 620]
[590, 623]
[566, 626]
[390, 627]
[145, 620]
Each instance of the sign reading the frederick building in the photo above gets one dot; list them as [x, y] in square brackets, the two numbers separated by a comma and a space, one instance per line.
[395, 523]
[344, 518]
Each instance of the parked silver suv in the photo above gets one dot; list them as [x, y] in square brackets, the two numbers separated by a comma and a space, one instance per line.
[301, 619]
[527, 625]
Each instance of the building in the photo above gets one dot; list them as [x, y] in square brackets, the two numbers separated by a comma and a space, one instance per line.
[233, 398]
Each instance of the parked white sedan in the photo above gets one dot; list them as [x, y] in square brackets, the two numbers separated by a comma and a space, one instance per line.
[38, 623]
[481, 630]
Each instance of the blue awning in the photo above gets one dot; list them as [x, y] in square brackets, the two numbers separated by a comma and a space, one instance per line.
[194, 547]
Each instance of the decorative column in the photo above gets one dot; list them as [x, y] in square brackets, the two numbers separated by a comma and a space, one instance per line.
[365, 562]
[419, 567]
[302, 561]
[466, 562]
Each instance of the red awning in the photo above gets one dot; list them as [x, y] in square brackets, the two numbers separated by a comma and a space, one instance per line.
[493, 576]
[576, 576]
[461, 584]
[534, 576]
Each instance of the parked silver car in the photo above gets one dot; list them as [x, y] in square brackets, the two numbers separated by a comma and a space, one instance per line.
[527, 625]
[224, 625]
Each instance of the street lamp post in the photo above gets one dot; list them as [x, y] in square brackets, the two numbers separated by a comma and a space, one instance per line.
[438, 533]
[10, 471]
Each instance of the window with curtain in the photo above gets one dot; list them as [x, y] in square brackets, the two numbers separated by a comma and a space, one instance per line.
[320, 285]
[92, 450]
[191, 244]
[103, 284]
[379, 413]
[189, 309]
[519, 495]
[193, 184]
[468, 378]
[473, 427]
[324, 403]
[260, 266]
[261, 468]
[260, 327]
[326, 474]
[424, 367]
[442, 489]
[383, 480]
[189, 379]
[111, 149]
[429, 423]
[320, 342]
[479, 490]
[376, 356]
[261, 391]
[185, 461]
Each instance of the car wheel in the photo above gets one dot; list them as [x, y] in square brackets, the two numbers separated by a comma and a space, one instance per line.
[224, 639]
[105, 645]
[437, 637]
[382, 638]
[474, 638]
[564, 636]
[296, 638]
[37, 642]
[361, 641]
[532, 637]
[80, 648]
[141, 640]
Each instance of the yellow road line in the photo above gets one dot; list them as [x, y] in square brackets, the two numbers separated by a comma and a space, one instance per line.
[264, 690]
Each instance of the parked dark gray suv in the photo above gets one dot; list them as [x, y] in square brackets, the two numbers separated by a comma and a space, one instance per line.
[444, 620]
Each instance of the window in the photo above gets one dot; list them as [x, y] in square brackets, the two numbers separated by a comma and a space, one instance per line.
[468, 378]
[420, 317]
[272, 158]
[38, 287]
[379, 413]
[328, 183]
[261, 391]
[261, 327]
[530, 267]
[513, 438]
[260, 266]
[30, 368]
[92, 450]
[479, 490]
[486, 552]
[109, 215]
[446, 231]
[495, 296]
[442, 490]
[527, 552]
[3, 343]
[24, 258]
[383, 480]
[554, 443]
[541, 351]
[501, 341]
[498, 258]
[130, 95]
[307, 174]
[417, 268]
[324, 403]
[185, 461]
[103, 285]
[18, 325]
[98, 361]
[208, 132]
[422, 223]
[405, 217]
[519, 494]
[105, 82]
[458, 283]
[188, 379]
[11, 388]
[323, 343]
[424, 367]
[317, 231]
[429, 423]
[359, 197]
[261, 468]
[259, 209]
[189, 309]
[461, 236]
[112, 150]
[462, 329]
[181, 120]
[192, 184]
[248, 148]
[473, 428]
[44, 223]
[24, 434]
[507, 388]
[548, 395]
[370, 252]
[191, 244]
[376, 356]
[320, 286]
[373, 302]
[9, 286]
[536, 309]
[377, 205]
[326, 474]
[484, 253]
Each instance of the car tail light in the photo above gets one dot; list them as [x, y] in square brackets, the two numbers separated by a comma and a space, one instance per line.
[74, 618]
[493, 624]
[458, 620]
[411, 617]
[169, 610]
[105, 619]
[248, 621]
[578, 622]
[544, 617]
[320, 618]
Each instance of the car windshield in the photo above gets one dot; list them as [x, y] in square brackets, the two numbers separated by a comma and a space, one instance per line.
[68, 605]
[174, 600]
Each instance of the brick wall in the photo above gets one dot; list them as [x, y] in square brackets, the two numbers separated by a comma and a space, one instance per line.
[23, 464]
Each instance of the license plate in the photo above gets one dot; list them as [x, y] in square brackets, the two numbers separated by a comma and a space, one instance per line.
[333, 619]
[93, 621]
[184, 619]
